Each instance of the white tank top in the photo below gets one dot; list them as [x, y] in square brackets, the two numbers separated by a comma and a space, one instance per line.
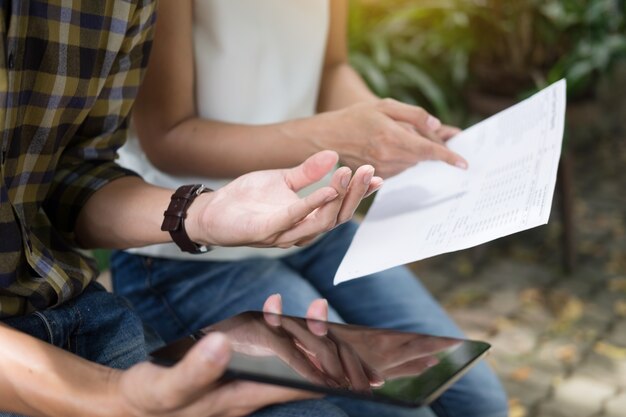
[256, 62]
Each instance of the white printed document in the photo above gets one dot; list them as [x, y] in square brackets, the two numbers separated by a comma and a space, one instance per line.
[434, 208]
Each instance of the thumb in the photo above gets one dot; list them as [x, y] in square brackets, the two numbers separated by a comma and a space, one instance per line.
[313, 169]
[201, 367]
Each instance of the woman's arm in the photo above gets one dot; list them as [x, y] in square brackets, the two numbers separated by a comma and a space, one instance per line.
[341, 85]
[179, 142]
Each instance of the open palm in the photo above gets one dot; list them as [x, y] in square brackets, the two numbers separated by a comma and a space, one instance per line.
[263, 208]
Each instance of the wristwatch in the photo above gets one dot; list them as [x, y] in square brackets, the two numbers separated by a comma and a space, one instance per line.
[176, 213]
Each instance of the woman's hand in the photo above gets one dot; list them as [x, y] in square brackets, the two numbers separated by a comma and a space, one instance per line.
[387, 134]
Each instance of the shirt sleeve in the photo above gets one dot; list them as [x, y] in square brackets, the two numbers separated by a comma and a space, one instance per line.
[88, 162]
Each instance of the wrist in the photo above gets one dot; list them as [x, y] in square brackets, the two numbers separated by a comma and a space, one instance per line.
[197, 228]
[114, 399]
[176, 222]
[311, 132]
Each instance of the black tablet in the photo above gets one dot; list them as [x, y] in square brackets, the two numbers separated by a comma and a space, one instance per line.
[401, 368]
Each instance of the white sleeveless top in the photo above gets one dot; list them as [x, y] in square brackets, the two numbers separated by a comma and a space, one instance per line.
[256, 62]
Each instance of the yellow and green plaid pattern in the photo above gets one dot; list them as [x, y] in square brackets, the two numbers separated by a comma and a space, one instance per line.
[69, 71]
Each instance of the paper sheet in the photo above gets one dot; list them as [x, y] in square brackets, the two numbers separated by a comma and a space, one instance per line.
[433, 208]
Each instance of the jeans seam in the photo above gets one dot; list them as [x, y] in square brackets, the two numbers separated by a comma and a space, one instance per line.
[76, 332]
[46, 325]
[163, 300]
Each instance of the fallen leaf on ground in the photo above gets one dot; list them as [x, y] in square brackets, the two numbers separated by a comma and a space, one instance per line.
[516, 408]
[617, 285]
[620, 308]
[567, 354]
[610, 351]
[521, 374]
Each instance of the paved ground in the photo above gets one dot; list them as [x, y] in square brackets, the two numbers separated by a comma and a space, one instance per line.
[559, 340]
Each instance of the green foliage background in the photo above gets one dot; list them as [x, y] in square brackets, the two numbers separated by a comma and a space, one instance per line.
[430, 52]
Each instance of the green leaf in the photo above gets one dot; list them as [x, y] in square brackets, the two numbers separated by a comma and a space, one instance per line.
[371, 73]
[426, 85]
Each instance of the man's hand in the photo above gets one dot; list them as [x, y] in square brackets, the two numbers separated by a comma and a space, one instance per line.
[192, 387]
[387, 134]
[262, 208]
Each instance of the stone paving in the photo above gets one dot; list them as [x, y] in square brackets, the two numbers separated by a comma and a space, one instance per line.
[559, 340]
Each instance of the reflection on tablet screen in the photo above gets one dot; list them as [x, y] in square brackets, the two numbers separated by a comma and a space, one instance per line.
[402, 368]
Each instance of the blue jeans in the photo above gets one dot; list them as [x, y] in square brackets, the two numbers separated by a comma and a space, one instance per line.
[102, 328]
[178, 297]
[96, 325]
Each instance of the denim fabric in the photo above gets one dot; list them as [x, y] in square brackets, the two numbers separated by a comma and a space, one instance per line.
[101, 327]
[96, 325]
[178, 297]
[309, 408]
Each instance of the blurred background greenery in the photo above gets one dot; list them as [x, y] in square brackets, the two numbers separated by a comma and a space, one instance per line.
[463, 58]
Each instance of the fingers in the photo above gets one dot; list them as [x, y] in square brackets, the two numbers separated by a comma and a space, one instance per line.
[318, 310]
[428, 126]
[241, 398]
[318, 316]
[416, 116]
[272, 308]
[375, 185]
[358, 188]
[273, 304]
[190, 378]
[325, 217]
[353, 367]
[445, 133]
[320, 350]
[421, 148]
[338, 208]
[291, 217]
[311, 170]
[440, 152]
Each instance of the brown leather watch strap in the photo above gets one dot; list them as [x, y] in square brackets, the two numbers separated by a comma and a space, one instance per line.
[176, 213]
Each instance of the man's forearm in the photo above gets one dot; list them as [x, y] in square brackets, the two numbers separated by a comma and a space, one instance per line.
[37, 379]
[125, 213]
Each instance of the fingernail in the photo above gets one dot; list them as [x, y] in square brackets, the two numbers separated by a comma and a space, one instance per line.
[332, 383]
[377, 380]
[345, 180]
[433, 123]
[367, 179]
[213, 348]
[272, 308]
[461, 164]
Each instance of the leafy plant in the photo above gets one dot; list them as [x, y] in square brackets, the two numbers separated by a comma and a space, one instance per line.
[429, 51]
[405, 50]
[532, 43]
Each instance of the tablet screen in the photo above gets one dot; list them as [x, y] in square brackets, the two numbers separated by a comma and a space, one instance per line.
[401, 368]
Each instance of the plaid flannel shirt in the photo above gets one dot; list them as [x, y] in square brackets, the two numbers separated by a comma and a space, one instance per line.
[69, 71]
